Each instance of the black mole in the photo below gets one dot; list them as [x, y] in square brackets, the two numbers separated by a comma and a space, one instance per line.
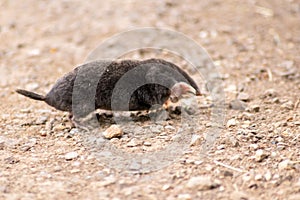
[164, 80]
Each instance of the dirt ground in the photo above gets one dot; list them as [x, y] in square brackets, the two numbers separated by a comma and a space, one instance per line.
[256, 48]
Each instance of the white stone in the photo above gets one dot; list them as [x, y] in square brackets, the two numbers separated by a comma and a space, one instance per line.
[231, 122]
[260, 155]
[285, 164]
[202, 183]
[196, 140]
[71, 155]
[184, 197]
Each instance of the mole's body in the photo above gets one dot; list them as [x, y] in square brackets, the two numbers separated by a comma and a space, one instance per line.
[159, 80]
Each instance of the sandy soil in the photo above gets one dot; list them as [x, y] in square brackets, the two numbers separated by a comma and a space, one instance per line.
[256, 48]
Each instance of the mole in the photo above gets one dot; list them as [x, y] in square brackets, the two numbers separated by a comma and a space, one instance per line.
[105, 83]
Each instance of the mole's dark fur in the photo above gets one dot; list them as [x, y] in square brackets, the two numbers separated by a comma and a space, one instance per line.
[60, 96]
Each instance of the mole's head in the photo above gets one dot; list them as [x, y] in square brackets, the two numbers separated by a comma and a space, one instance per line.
[181, 89]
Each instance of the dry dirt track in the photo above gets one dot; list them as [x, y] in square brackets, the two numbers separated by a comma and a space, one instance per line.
[256, 46]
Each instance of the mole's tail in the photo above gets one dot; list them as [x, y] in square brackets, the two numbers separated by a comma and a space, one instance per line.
[31, 95]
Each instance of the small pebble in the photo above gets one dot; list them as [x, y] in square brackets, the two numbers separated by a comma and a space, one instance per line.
[231, 88]
[232, 141]
[285, 164]
[276, 100]
[73, 171]
[147, 144]
[268, 176]
[108, 180]
[76, 164]
[270, 93]
[254, 146]
[243, 96]
[196, 140]
[166, 187]
[253, 108]
[57, 168]
[237, 105]
[113, 131]
[258, 177]
[169, 127]
[132, 143]
[41, 120]
[231, 122]
[191, 110]
[274, 154]
[71, 155]
[288, 105]
[184, 197]
[202, 183]
[25, 110]
[74, 131]
[280, 147]
[34, 52]
[227, 174]
[189, 161]
[203, 34]
[198, 162]
[260, 155]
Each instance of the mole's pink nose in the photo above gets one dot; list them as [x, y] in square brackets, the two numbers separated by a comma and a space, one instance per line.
[180, 89]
